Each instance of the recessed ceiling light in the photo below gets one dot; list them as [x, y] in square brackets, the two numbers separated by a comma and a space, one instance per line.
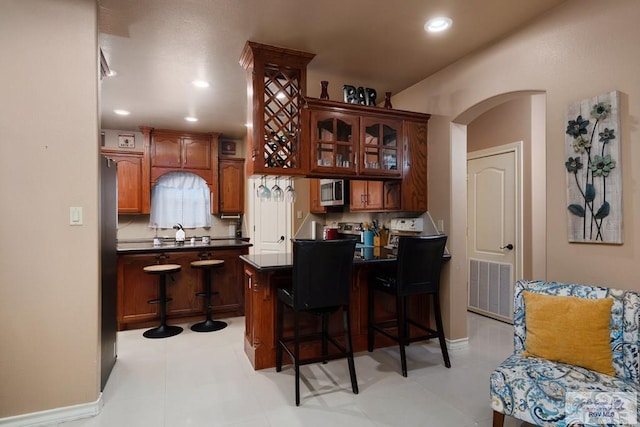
[191, 119]
[200, 83]
[122, 112]
[435, 25]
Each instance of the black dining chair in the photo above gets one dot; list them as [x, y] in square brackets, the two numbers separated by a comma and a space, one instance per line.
[417, 273]
[321, 285]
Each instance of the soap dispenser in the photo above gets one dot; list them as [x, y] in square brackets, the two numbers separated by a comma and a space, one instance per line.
[180, 234]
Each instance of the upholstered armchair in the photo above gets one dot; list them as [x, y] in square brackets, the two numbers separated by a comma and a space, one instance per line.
[552, 393]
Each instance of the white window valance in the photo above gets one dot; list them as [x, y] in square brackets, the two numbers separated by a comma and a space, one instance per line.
[180, 198]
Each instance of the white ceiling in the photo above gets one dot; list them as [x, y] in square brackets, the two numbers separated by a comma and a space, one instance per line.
[157, 47]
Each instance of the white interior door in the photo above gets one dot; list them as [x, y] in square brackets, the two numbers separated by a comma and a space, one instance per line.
[493, 234]
[271, 228]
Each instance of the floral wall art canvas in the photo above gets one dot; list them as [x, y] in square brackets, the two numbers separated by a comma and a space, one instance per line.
[593, 164]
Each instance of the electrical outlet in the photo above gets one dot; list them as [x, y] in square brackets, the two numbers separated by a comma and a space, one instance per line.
[441, 225]
[299, 214]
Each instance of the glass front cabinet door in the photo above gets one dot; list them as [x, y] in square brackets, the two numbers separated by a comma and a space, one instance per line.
[380, 147]
[333, 142]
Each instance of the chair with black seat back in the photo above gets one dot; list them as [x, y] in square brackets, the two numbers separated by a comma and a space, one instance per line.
[321, 286]
[417, 273]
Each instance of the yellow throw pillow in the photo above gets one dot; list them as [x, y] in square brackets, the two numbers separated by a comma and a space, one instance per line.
[570, 330]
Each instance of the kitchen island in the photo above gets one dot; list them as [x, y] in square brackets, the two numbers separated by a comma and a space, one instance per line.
[265, 273]
[135, 288]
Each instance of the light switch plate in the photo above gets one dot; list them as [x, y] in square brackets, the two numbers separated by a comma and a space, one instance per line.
[75, 215]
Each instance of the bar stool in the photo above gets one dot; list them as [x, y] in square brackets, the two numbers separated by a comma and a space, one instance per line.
[209, 325]
[417, 273]
[164, 330]
[321, 286]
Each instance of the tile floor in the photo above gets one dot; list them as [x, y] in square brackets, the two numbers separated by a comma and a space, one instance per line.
[204, 379]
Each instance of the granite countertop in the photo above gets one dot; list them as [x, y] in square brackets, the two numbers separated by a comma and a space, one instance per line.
[143, 246]
[283, 261]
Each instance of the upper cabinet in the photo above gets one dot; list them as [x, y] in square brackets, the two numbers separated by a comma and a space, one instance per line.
[380, 147]
[181, 152]
[353, 140]
[276, 85]
[194, 152]
[414, 188]
[185, 151]
[370, 143]
[231, 186]
[132, 198]
[333, 140]
[315, 205]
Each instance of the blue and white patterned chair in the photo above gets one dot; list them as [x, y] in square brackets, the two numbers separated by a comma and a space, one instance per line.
[534, 390]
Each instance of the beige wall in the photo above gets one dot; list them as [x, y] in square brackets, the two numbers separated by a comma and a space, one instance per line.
[580, 49]
[49, 271]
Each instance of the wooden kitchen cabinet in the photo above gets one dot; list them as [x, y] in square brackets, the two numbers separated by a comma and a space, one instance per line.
[392, 200]
[414, 189]
[333, 141]
[314, 197]
[351, 139]
[386, 145]
[179, 151]
[130, 180]
[135, 288]
[277, 82]
[380, 147]
[231, 186]
[366, 195]
[378, 196]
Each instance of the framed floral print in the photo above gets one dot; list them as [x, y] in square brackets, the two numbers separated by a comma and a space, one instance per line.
[593, 166]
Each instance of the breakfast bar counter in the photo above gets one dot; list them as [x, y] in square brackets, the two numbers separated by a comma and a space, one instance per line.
[265, 273]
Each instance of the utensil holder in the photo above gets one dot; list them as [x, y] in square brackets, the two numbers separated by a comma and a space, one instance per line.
[368, 238]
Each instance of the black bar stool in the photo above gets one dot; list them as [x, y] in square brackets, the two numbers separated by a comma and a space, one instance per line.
[321, 286]
[417, 273]
[209, 324]
[164, 330]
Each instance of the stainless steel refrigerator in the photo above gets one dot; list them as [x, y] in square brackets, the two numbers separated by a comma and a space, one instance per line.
[109, 259]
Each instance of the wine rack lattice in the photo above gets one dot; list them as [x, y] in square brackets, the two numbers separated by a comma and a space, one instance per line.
[281, 118]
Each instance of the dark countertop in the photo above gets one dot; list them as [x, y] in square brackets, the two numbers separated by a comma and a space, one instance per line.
[146, 246]
[283, 261]
[363, 255]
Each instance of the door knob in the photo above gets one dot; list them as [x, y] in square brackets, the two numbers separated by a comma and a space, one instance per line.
[509, 246]
[281, 239]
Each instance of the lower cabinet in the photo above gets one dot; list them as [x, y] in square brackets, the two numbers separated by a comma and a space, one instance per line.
[136, 288]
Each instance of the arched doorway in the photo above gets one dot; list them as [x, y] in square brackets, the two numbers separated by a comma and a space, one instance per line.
[534, 212]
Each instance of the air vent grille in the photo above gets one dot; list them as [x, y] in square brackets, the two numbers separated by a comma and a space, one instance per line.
[491, 289]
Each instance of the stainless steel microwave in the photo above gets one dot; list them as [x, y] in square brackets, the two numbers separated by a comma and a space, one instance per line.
[333, 192]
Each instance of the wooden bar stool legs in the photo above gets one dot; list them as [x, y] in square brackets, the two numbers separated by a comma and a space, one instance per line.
[164, 330]
[208, 325]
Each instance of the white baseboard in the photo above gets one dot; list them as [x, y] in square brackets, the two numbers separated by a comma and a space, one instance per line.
[459, 344]
[54, 416]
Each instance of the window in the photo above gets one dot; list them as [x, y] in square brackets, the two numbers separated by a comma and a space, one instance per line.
[180, 197]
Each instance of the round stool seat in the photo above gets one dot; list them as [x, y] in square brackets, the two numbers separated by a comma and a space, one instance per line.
[207, 263]
[162, 268]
